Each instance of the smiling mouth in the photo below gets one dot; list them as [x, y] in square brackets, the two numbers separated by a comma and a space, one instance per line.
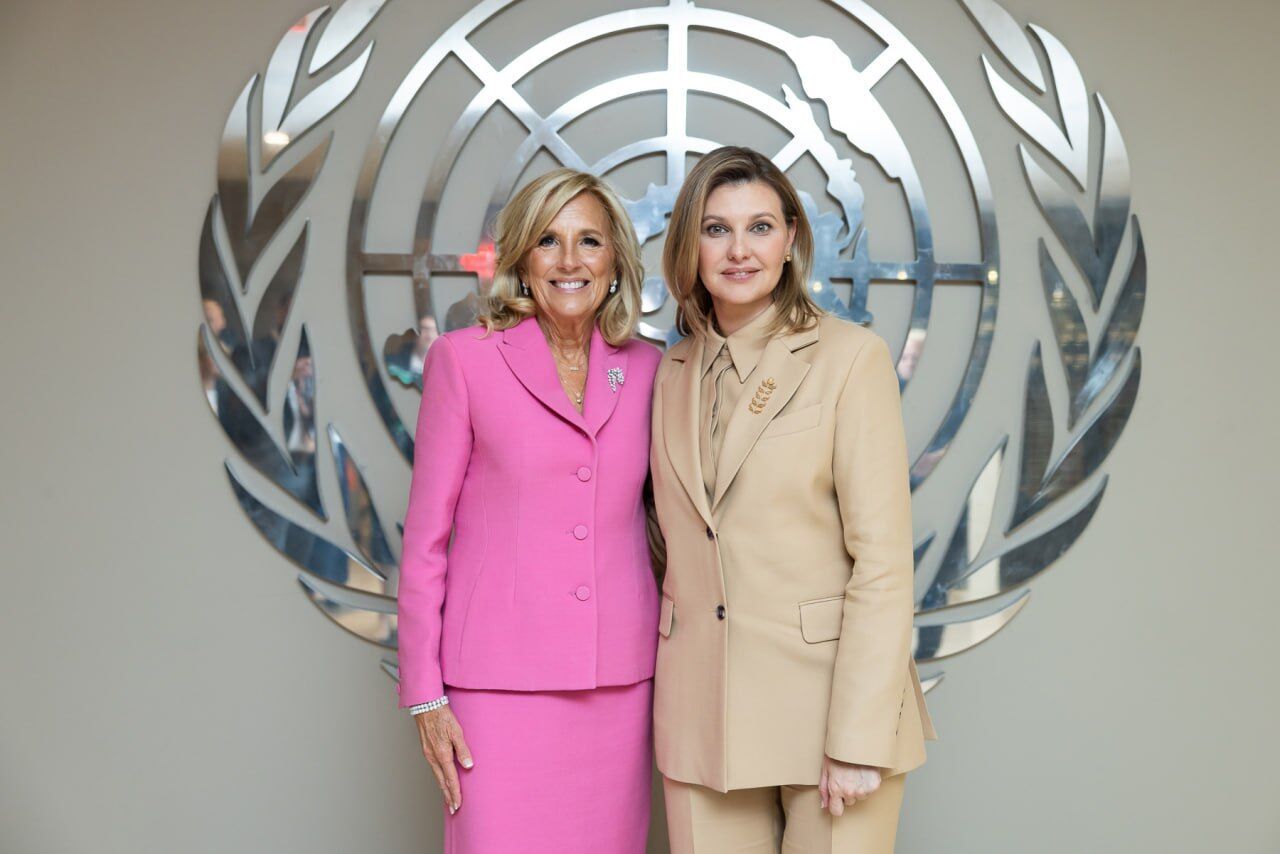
[569, 285]
[739, 275]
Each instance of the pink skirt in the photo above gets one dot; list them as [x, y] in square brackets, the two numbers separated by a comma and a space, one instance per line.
[556, 772]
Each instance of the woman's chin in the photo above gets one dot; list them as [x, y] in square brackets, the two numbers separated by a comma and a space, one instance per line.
[573, 309]
[741, 297]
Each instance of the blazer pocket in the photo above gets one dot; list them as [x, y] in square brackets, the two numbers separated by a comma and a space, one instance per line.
[794, 422]
[820, 619]
[667, 615]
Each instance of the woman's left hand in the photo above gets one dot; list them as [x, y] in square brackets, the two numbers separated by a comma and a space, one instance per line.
[844, 784]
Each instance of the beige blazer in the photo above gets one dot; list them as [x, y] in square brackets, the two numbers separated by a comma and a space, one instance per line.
[786, 622]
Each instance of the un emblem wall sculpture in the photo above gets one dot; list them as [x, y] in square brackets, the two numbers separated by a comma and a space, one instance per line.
[264, 375]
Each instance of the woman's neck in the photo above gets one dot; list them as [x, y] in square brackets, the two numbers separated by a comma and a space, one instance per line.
[730, 318]
[566, 338]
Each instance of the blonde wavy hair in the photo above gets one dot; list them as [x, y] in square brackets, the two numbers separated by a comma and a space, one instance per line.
[520, 226]
[733, 164]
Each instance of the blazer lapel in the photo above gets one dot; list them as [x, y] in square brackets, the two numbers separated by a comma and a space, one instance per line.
[779, 366]
[529, 358]
[601, 396]
[680, 425]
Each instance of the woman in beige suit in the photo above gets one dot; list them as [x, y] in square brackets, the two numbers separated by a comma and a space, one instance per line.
[787, 707]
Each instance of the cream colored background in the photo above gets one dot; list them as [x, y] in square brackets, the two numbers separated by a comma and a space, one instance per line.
[166, 687]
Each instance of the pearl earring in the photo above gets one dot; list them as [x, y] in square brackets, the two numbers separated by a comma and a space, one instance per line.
[524, 289]
[613, 288]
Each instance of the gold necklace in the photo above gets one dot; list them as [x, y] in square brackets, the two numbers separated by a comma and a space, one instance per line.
[564, 366]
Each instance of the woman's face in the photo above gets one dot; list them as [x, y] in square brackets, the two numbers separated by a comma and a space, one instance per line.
[569, 268]
[741, 247]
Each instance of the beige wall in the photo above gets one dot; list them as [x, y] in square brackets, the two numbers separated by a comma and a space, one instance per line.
[167, 688]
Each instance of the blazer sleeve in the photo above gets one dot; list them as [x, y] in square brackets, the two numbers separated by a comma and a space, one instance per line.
[873, 488]
[442, 450]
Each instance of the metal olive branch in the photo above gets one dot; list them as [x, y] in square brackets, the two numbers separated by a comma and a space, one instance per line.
[979, 571]
[273, 146]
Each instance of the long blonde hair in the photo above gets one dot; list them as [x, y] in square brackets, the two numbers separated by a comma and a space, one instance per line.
[520, 225]
[733, 164]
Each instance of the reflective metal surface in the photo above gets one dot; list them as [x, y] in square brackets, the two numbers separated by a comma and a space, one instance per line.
[827, 76]
[257, 237]
[933, 641]
[982, 566]
[1041, 482]
[270, 154]
[317, 555]
[1006, 34]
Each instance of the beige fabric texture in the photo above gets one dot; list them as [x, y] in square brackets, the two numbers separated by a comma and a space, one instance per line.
[806, 545]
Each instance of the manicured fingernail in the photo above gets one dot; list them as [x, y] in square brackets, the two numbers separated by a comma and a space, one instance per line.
[452, 809]
[467, 763]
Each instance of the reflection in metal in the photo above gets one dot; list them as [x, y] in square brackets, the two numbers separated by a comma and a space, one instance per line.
[286, 457]
[1093, 248]
[933, 641]
[1069, 331]
[373, 623]
[963, 578]
[404, 354]
[274, 144]
[256, 200]
[967, 581]
[653, 294]
[362, 516]
[268, 159]
[826, 75]
[254, 357]
[1088, 376]
[315, 555]
[1041, 483]
[287, 112]
[1014, 568]
[971, 531]
[253, 214]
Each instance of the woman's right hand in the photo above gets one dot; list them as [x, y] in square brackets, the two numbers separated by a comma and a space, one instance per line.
[441, 737]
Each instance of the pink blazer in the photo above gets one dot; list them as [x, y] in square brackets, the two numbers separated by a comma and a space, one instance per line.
[546, 584]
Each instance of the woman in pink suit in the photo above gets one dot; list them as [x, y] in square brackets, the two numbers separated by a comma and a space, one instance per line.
[528, 609]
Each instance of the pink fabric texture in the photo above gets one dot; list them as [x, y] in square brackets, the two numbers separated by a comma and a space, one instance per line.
[547, 584]
[556, 772]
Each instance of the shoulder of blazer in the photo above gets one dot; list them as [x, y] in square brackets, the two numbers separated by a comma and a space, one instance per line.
[472, 338]
[473, 345]
[844, 338]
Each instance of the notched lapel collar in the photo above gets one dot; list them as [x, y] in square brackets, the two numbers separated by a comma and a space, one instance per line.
[529, 358]
[680, 426]
[787, 371]
[601, 398]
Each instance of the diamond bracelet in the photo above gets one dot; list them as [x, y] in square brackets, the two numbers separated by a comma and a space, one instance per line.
[429, 706]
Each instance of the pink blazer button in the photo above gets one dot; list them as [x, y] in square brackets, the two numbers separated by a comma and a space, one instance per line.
[580, 532]
[584, 474]
[583, 593]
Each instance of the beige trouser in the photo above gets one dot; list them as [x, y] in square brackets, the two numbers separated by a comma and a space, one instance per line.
[787, 819]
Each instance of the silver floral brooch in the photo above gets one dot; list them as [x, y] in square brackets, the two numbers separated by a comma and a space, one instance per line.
[615, 378]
